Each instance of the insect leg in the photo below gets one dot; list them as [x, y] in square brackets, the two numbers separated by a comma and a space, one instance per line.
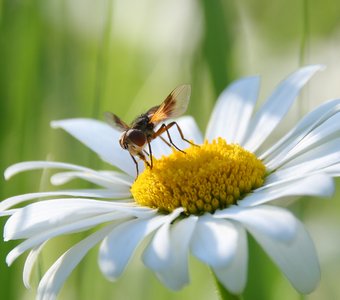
[181, 133]
[142, 157]
[150, 151]
[135, 161]
[165, 128]
[165, 141]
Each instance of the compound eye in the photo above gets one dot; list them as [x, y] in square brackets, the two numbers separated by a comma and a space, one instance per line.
[137, 137]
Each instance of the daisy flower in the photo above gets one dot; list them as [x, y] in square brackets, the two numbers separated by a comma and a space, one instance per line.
[201, 202]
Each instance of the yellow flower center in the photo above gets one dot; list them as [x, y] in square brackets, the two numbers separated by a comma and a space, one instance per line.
[203, 179]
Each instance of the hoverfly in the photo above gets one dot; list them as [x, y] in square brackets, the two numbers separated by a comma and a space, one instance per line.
[142, 130]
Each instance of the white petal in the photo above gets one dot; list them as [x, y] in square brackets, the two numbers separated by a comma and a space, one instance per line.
[29, 264]
[276, 106]
[56, 275]
[104, 181]
[214, 241]
[277, 223]
[117, 248]
[333, 170]
[118, 176]
[44, 236]
[33, 165]
[233, 110]
[102, 139]
[8, 212]
[158, 251]
[50, 214]
[297, 260]
[9, 202]
[100, 178]
[234, 276]
[45, 215]
[314, 159]
[306, 125]
[315, 185]
[320, 137]
[167, 254]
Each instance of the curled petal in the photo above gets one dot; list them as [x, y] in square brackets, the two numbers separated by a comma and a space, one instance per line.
[117, 248]
[29, 264]
[234, 276]
[214, 241]
[167, 254]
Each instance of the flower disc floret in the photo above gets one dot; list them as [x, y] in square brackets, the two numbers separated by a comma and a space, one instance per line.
[203, 179]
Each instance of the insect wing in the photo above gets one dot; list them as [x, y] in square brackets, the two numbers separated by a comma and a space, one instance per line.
[116, 122]
[173, 106]
[152, 111]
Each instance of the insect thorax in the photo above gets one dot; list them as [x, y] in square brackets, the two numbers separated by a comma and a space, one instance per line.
[142, 123]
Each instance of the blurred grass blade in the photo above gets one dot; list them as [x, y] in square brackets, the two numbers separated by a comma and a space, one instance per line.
[217, 42]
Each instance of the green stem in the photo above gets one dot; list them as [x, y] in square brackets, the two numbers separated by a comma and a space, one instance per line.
[224, 293]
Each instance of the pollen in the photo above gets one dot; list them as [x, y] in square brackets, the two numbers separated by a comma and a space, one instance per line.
[203, 179]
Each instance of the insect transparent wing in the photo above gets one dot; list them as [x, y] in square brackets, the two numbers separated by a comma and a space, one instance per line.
[116, 122]
[174, 105]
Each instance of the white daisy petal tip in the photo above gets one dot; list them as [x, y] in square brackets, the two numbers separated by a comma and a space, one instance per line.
[270, 114]
[316, 67]
[236, 102]
[54, 124]
[10, 172]
[310, 69]
[320, 67]
[29, 265]
[174, 284]
[298, 259]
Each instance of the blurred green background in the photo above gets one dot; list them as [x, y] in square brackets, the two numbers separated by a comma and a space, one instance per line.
[78, 58]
